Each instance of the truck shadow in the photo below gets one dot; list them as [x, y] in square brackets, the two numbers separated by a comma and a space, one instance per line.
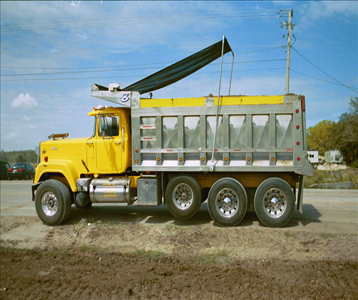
[135, 214]
[310, 215]
[160, 215]
[151, 215]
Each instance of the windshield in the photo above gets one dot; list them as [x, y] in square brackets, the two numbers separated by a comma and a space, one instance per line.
[94, 127]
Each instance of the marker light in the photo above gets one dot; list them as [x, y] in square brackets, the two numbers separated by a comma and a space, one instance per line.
[99, 107]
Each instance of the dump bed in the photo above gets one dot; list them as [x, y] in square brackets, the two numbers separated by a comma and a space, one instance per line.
[254, 134]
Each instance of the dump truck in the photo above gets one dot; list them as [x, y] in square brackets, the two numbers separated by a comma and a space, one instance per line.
[235, 152]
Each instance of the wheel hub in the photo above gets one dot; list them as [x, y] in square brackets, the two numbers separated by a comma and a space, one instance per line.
[49, 203]
[275, 203]
[227, 203]
[182, 196]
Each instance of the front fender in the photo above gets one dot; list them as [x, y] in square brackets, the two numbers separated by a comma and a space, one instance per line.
[66, 168]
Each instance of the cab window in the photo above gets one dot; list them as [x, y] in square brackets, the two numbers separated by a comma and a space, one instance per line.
[108, 126]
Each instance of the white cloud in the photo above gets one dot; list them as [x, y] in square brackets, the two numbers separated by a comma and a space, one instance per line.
[24, 102]
[315, 11]
[83, 37]
[9, 136]
[26, 118]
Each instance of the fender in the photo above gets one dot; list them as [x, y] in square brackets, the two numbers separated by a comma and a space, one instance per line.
[65, 167]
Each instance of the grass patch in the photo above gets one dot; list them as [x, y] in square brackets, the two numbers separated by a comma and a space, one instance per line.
[149, 253]
[87, 248]
[288, 234]
[60, 251]
[215, 258]
[320, 177]
[326, 236]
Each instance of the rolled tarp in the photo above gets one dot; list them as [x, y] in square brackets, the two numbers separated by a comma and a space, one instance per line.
[181, 69]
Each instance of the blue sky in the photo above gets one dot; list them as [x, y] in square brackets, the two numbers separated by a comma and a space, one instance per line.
[52, 52]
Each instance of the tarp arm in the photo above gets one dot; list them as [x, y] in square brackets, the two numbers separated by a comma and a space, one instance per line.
[218, 104]
[232, 68]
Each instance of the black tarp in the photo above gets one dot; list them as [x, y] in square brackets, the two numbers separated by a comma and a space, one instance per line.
[179, 70]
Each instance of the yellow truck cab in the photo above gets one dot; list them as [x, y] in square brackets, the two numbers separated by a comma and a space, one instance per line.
[107, 151]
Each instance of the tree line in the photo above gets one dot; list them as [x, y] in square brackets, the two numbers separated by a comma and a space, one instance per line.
[341, 135]
[12, 157]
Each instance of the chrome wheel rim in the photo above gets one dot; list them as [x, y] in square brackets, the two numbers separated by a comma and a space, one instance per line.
[49, 204]
[227, 203]
[183, 196]
[275, 203]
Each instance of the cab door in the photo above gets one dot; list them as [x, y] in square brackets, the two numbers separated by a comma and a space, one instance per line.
[109, 144]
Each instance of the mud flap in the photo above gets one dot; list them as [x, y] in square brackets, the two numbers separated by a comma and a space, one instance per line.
[300, 194]
[34, 188]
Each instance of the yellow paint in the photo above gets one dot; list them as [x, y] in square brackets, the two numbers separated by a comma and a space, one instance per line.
[224, 101]
[101, 155]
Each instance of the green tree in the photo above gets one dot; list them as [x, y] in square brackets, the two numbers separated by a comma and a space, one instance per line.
[346, 134]
[11, 157]
[20, 158]
[321, 136]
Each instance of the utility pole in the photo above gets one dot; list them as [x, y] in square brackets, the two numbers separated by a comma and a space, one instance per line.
[289, 26]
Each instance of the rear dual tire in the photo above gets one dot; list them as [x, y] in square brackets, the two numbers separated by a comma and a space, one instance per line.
[227, 202]
[274, 202]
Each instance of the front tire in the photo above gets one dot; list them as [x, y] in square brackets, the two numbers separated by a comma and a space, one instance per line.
[53, 202]
[227, 202]
[274, 202]
[183, 197]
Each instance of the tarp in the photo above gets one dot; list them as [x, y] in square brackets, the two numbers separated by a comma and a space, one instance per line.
[179, 70]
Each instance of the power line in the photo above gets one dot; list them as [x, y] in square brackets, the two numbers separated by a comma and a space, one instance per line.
[127, 76]
[136, 47]
[122, 49]
[237, 13]
[318, 68]
[82, 68]
[253, 51]
[320, 79]
[129, 21]
[127, 69]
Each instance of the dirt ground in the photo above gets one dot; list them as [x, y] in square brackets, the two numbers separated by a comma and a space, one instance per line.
[95, 259]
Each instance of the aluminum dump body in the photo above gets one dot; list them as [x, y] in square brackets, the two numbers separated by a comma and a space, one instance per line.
[254, 134]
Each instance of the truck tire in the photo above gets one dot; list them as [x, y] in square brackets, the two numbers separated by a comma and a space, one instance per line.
[274, 202]
[183, 196]
[227, 202]
[53, 202]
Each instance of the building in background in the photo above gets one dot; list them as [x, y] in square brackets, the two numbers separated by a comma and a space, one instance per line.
[334, 157]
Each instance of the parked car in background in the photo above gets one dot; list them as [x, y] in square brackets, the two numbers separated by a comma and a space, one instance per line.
[3, 169]
[20, 171]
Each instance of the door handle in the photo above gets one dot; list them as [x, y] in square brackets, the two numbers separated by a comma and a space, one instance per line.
[117, 143]
[89, 143]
